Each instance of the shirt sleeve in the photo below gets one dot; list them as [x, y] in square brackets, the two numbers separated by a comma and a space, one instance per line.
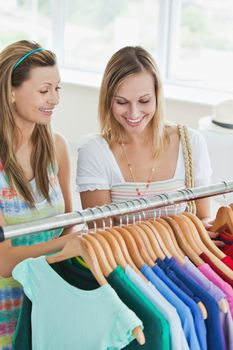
[92, 167]
[201, 161]
[21, 274]
[126, 321]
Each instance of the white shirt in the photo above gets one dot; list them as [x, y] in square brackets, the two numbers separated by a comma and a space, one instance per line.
[97, 167]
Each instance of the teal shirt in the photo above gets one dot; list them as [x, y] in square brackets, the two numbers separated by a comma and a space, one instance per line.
[65, 317]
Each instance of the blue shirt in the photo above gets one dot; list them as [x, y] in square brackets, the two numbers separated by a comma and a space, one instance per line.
[215, 339]
[177, 337]
[166, 292]
[191, 316]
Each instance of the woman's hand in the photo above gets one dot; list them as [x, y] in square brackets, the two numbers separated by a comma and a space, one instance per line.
[207, 222]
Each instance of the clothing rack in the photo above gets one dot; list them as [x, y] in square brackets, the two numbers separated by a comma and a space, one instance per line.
[113, 209]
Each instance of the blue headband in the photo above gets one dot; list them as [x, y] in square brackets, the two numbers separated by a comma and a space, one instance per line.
[26, 55]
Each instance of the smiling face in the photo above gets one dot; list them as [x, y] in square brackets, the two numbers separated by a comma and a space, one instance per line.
[35, 99]
[134, 103]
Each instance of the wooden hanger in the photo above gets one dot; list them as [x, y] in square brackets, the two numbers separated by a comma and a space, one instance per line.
[79, 246]
[223, 220]
[142, 232]
[103, 261]
[187, 231]
[122, 247]
[137, 331]
[107, 248]
[205, 236]
[188, 250]
[134, 231]
[201, 248]
[116, 249]
[222, 303]
[173, 238]
[181, 240]
[158, 231]
[131, 246]
[152, 240]
[168, 241]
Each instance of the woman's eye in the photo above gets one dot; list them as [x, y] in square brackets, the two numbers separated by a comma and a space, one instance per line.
[43, 92]
[121, 102]
[58, 88]
[146, 101]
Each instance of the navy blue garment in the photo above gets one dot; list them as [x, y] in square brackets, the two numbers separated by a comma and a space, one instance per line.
[215, 339]
[199, 324]
[171, 274]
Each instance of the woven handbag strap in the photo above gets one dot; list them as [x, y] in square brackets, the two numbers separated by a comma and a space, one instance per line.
[188, 159]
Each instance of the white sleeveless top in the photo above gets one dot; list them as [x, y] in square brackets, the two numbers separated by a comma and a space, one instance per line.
[97, 169]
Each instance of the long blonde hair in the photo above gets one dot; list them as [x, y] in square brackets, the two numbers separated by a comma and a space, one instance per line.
[43, 154]
[127, 62]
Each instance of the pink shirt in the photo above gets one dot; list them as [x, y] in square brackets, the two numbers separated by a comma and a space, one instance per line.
[219, 282]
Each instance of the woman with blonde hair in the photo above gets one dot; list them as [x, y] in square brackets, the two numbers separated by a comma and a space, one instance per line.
[34, 166]
[137, 153]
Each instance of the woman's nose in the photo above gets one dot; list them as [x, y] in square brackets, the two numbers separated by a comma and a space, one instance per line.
[54, 98]
[134, 111]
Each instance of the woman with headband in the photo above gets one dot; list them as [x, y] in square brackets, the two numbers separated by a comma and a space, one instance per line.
[34, 166]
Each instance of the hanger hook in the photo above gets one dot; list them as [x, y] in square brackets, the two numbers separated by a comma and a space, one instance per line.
[94, 222]
[139, 217]
[176, 208]
[146, 200]
[159, 208]
[120, 215]
[224, 194]
[127, 214]
[144, 215]
[103, 218]
[154, 214]
[110, 218]
[85, 228]
[165, 207]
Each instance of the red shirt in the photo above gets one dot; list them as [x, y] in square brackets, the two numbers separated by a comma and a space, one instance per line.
[206, 259]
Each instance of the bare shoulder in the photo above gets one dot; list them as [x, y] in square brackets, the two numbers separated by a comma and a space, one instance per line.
[172, 132]
[172, 129]
[60, 142]
[61, 147]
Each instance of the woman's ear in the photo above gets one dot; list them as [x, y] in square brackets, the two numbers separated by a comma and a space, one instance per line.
[12, 96]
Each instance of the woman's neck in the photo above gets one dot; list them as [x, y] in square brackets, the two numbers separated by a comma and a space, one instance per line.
[143, 138]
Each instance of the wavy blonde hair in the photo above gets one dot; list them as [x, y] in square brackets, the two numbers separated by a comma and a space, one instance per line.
[127, 62]
[43, 154]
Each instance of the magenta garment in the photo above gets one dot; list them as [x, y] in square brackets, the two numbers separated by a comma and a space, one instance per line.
[219, 282]
[203, 281]
[217, 294]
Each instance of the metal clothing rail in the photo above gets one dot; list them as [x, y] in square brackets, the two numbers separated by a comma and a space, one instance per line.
[113, 209]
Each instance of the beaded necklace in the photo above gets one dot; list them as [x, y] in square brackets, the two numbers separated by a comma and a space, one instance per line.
[148, 183]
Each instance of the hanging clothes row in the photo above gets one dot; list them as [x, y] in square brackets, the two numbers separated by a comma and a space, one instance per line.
[173, 281]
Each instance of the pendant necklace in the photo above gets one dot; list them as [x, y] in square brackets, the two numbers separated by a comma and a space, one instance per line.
[148, 183]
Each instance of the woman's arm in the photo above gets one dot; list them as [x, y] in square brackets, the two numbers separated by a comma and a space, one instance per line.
[90, 199]
[64, 176]
[64, 170]
[203, 209]
[10, 256]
